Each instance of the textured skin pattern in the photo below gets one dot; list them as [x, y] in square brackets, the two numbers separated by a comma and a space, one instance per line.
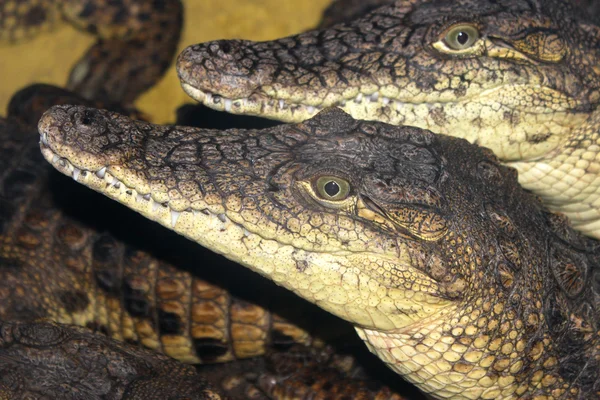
[137, 40]
[54, 266]
[43, 360]
[453, 274]
[301, 374]
[347, 10]
[24, 19]
[589, 9]
[528, 87]
[56, 240]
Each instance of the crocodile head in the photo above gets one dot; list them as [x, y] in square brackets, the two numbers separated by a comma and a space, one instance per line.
[519, 77]
[515, 76]
[425, 243]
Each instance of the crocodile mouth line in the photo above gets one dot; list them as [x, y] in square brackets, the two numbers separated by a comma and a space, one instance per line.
[230, 105]
[144, 200]
[105, 182]
[259, 104]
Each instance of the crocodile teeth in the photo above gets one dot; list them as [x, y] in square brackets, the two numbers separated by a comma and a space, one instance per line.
[174, 217]
[222, 217]
[146, 197]
[154, 205]
[76, 172]
[139, 198]
[55, 159]
[101, 172]
[227, 103]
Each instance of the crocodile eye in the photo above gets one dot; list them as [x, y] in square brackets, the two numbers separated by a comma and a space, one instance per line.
[461, 37]
[332, 188]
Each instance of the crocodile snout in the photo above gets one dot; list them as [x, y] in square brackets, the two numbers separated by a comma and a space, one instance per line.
[228, 68]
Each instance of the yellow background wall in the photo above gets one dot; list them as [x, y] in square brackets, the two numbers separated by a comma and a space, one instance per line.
[49, 58]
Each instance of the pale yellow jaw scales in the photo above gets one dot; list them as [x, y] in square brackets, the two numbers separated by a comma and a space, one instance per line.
[432, 363]
[569, 184]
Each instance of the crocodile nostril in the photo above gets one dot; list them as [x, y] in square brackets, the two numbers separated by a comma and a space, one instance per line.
[226, 47]
[87, 118]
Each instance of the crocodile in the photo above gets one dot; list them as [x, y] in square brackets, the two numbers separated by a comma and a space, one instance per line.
[453, 274]
[137, 40]
[55, 258]
[519, 77]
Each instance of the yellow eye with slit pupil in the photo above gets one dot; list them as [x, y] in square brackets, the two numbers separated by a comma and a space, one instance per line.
[461, 37]
[332, 188]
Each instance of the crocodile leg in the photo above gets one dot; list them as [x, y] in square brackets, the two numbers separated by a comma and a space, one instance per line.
[52, 361]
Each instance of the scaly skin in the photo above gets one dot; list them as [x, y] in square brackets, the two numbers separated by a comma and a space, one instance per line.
[528, 88]
[55, 266]
[454, 275]
[137, 40]
[347, 10]
[43, 360]
[55, 257]
[590, 9]
[299, 374]
[24, 19]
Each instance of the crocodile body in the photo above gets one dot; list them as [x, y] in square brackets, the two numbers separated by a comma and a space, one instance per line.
[523, 81]
[137, 40]
[452, 274]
